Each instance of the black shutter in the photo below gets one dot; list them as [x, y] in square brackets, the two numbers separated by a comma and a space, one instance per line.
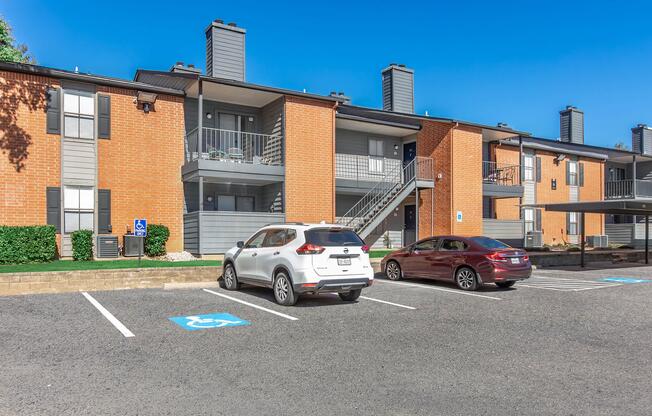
[53, 123]
[567, 172]
[537, 220]
[581, 174]
[104, 211]
[538, 168]
[567, 223]
[53, 207]
[104, 116]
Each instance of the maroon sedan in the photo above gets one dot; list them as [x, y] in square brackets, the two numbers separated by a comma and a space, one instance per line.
[468, 261]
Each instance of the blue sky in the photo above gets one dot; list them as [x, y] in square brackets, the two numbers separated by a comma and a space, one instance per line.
[517, 62]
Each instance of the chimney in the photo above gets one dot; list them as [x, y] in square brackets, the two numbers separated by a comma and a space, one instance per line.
[225, 51]
[571, 125]
[179, 67]
[398, 88]
[343, 98]
[642, 139]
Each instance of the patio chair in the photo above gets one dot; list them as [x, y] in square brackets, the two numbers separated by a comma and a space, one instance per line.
[236, 154]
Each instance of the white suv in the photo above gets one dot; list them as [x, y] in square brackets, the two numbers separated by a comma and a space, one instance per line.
[300, 258]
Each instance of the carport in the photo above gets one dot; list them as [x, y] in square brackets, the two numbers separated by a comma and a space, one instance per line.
[625, 207]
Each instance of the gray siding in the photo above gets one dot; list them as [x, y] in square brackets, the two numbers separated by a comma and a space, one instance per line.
[357, 143]
[225, 52]
[267, 198]
[191, 232]
[79, 162]
[502, 229]
[642, 140]
[191, 106]
[571, 126]
[620, 233]
[398, 89]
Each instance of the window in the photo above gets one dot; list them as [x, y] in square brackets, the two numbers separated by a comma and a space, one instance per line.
[257, 240]
[528, 220]
[330, 237]
[376, 156]
[573, 223]
[245, 203]
[453, 245]
[79, 115]
[572, 174]
[616, 174]
[528, 168]
[226, 203]
[274, 238]
[78, 206]
[427, 245]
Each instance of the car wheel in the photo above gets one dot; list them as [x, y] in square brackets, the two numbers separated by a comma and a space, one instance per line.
[230, 278]
[351, 295]
[283, 291]
[465, 279]
[505, 285]
[393, 270]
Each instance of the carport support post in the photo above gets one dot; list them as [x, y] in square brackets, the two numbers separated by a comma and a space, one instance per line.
[582, 238]
[647, 238]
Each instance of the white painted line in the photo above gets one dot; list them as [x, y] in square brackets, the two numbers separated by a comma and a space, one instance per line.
[388, 303]
[291, 318]
[108, 315]
[441, 289]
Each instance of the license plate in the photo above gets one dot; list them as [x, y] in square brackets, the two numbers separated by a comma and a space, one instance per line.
[515, 260]
[344, 262]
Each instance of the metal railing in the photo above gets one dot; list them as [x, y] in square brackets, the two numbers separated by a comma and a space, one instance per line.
[360, 214]
[234, 146]
[363, 167]
[500, 173]
[624, 189]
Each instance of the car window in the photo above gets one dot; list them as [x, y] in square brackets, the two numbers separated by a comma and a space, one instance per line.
[290, 235]
[257, 240]
[426, 245]
[453, 245]
[489, 243]
[274, 238]
[332, 237]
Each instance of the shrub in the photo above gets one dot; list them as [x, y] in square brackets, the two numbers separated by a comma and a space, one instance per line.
[157, 236]
[37, 243]
[82, 245]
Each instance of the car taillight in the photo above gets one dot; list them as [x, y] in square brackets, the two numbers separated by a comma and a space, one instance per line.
[365, 249]
[499, 257]
[526, 257]
[310, 249]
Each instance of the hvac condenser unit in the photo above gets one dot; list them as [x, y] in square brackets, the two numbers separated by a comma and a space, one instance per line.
[598, 240]
[107, 246]
[534, 239]
[133, 244]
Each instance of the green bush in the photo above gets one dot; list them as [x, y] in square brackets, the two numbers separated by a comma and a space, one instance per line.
[82, 245]
[37, 243]
[157, 236]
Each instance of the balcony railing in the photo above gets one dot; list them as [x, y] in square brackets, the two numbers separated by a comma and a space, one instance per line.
[500, 173]
[235, 146]
[624, 189]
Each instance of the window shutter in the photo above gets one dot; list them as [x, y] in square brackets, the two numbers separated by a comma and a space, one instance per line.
[568, 223]
[538, 168]
[537, 220]
[104, 116]
[567, 172]
[53, 207]
[53, 117]
[104, 211]
[581, 174]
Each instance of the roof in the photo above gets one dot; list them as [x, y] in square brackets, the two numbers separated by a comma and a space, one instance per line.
[625, 207]
[86, 77]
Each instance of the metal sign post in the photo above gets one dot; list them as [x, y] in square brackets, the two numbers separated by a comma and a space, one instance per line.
[140, 230]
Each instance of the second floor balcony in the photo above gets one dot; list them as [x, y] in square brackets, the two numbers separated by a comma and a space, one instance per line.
[628, 189]
[501, 180]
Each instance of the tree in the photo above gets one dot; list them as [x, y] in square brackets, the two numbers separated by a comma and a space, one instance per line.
[9, 50]
[621, 146]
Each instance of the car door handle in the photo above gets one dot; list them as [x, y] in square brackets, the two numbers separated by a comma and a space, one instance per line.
[254, 255]
[276, 253]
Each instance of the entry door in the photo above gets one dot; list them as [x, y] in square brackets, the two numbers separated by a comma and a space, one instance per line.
[409, 153]
[409, 232]
[228, 124]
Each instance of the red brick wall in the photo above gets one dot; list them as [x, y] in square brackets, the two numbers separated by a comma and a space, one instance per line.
[467, 180]
[309, 160]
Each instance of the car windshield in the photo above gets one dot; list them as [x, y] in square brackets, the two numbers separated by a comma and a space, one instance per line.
[489, 243]
[329, 237]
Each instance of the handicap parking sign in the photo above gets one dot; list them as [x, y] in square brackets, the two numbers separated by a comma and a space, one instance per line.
[624, 280]
[140, 227]
[213, 320]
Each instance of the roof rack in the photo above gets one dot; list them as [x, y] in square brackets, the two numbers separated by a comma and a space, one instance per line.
[284, 223]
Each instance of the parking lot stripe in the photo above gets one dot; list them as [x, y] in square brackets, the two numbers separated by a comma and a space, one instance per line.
[108, 315]
[565, 284]
[388, 303]
[292, 318]
[441, 289]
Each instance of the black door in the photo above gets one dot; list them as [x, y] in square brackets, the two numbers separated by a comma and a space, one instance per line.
[409, 153]
[409, 232]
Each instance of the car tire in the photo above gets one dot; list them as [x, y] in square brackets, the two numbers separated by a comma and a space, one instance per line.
[230, 278]
[283, 290]
[466, 279]
[505, 285]
[393, 270]
[350, 296]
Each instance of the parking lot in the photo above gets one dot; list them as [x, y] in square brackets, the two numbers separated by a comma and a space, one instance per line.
[563, 342]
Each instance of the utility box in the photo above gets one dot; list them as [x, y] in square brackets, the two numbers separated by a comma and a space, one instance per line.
[534, 239]
[107, 247]
[599, 241]
[133, 245]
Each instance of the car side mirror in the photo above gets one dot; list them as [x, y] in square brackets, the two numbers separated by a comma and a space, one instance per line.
[240, 244]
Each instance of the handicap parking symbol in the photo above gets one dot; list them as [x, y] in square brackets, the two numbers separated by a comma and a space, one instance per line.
[624, 280]
[208, 321]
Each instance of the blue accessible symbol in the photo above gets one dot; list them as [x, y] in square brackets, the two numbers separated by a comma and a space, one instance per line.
[624, 280]
[214, 320]
[140, 227]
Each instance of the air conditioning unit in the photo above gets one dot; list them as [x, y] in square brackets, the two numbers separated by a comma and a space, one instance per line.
[133, 245]
[534, 239]
[598, 240]
[107, 246]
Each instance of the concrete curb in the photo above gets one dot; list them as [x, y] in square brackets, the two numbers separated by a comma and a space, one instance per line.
[190, 285]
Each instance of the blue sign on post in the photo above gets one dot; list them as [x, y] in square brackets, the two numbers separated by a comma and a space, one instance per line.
[140, 227]
[213, 320]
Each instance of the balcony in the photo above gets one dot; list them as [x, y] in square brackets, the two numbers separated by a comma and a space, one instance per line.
[359, 173]
[628, 189]
[234, 155]
[500, 180]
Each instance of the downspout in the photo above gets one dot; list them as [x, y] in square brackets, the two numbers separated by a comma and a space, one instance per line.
[452, 223]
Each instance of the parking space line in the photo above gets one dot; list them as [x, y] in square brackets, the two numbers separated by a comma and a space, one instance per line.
[109, 316]
[292, 318]
[441, 289]
[388, 303]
